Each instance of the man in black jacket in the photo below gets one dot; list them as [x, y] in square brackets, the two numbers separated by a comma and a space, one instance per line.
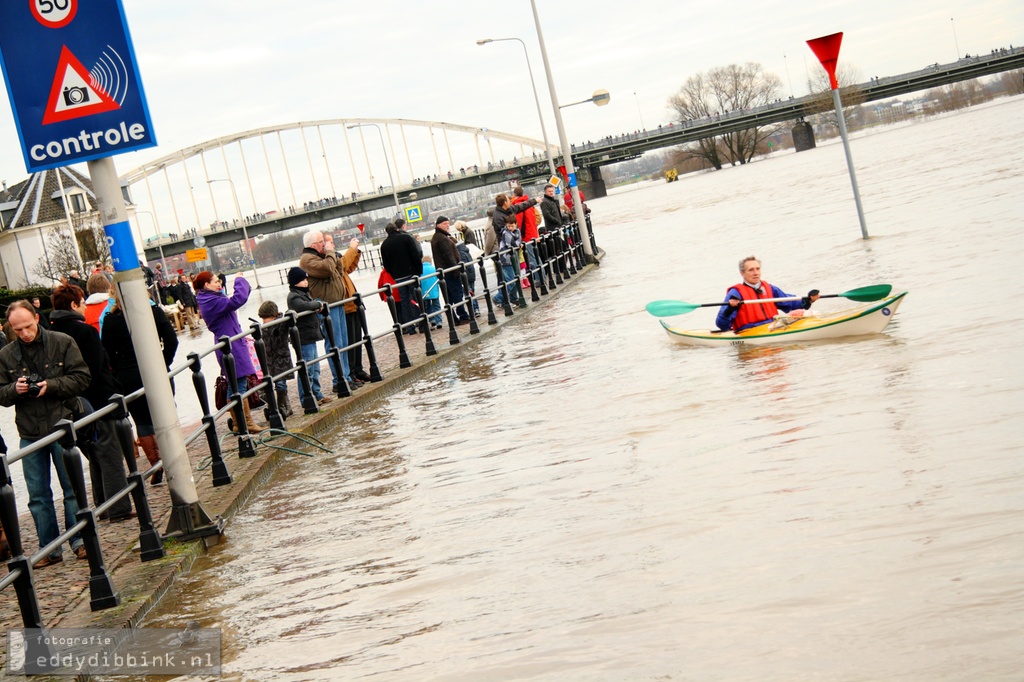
[442, 246]
[402, 256]
[104, 453]
[504, 208]
[38, 372]
[550, 210]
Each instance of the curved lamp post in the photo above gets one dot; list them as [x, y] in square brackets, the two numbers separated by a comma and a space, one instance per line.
[245, 232]
[391, 179]
[543, 128]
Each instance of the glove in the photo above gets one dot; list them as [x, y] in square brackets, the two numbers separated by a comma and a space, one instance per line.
[806, 300]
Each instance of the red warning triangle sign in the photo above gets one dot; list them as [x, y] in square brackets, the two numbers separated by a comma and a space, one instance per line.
[73, 95]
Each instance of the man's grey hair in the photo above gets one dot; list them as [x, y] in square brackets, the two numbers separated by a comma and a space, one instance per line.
[309, 238]
[743, 263]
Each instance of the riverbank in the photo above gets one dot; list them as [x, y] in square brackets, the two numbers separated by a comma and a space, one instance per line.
[63, 588]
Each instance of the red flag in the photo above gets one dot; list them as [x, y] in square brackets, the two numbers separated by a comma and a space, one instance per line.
[826, 49]
[362, 228]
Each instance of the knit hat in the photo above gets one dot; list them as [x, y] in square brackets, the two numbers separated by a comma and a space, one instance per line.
[296, 275]
[268, 309]
[440, 219]
[201, 280]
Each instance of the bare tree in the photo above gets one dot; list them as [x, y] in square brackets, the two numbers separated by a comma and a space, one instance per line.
[1012, 82]
[61, 258]
[722, 90]
[958, 95]
[850, 92]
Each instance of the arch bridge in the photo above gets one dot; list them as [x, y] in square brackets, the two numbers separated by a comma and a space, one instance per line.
[304, 173]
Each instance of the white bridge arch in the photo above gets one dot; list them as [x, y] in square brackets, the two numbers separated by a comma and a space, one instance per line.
[288, 167]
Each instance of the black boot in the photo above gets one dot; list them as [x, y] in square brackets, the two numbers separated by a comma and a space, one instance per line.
[284, 404]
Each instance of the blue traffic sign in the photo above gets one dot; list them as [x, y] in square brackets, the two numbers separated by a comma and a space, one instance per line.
[413, 214]
[73, 81]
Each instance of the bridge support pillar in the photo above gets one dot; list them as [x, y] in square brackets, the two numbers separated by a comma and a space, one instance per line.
[803, 136]
[591, 182]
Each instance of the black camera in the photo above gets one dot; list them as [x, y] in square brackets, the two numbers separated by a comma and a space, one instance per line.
[33, 385]
[75, 95]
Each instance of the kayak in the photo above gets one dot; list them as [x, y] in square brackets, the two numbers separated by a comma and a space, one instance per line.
[871, 318]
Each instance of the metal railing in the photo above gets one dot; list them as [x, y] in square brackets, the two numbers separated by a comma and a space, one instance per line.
[558, 256]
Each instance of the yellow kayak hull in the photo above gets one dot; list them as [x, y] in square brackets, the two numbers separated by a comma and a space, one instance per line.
[870, 318]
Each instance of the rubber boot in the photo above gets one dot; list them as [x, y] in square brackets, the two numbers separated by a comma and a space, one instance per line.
[250, 425]
[284, 404]
[152, 450]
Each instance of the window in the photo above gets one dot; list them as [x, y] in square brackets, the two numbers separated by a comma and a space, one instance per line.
[77, 203]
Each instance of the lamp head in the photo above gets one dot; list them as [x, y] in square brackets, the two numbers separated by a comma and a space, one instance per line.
[484, 41]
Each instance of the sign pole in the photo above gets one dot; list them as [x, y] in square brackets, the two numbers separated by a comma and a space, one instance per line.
[826, 49]
[188, 518]
[581, 219]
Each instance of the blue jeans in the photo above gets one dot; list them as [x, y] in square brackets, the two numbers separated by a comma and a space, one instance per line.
[433, 306]
[509, 274]
[36, 468]
[308, 353]
[341, 338]
[454, 295]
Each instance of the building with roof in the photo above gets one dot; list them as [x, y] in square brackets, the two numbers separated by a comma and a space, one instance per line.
[32, 212]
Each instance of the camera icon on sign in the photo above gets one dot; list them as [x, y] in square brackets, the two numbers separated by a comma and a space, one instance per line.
[75, 95]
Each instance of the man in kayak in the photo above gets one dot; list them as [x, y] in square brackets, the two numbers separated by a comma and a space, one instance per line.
[736, 316]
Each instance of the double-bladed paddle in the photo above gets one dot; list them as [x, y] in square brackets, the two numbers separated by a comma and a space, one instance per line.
[863, 295]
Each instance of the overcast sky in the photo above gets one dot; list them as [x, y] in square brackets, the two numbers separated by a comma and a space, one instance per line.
[214, 67]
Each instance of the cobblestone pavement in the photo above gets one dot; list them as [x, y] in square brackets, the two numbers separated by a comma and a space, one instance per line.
[63, 588]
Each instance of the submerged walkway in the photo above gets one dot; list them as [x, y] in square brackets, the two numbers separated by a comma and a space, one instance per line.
[63, 588]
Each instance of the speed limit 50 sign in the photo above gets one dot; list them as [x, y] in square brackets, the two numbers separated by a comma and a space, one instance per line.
[74, 85]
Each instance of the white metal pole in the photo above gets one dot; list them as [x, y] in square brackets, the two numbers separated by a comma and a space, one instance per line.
[327, 165]
[245, 232]
[581, 219]
[188, 516]
[394, 192]
[270, 172]
[536, 99]
[849, 161]
[309, 162]
[67, 214]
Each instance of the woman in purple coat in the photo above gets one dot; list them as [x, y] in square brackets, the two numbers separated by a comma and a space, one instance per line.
[220, 314]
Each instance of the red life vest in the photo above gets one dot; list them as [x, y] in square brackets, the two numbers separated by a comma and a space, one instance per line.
[749, 313]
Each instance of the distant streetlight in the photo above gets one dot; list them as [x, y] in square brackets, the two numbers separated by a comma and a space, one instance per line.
[245, 232]
[394, 190]
[639, 111]
[543, 128]
[581, 219]
[955, 41]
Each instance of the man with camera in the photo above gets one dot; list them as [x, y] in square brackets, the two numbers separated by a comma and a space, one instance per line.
[38, 372]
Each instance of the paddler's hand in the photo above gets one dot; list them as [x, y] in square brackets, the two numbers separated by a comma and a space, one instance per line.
[810, 298]
[734, 302]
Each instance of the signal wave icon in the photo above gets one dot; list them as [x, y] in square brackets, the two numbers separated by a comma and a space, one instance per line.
[111, 75]
[77, 92]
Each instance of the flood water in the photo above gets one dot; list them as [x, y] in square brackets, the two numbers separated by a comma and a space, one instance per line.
[579, 499]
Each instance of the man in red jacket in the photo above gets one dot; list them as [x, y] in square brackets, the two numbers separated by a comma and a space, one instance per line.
[527, 221]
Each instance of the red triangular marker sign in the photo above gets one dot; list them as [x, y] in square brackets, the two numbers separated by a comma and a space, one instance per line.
[73, 95]
[826, 49]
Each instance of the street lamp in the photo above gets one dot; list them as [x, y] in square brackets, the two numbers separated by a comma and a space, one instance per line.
[543, 128]
[581, 219]
[245, 232]
[391, 179]
[599, 98]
